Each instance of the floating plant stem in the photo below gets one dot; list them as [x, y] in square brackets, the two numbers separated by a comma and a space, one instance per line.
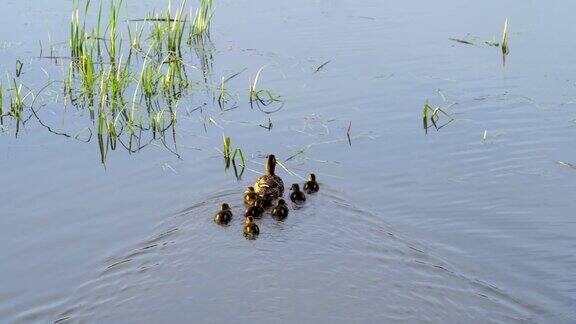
[19, 66]
[348, 133]
[433, 115]
[239, 152]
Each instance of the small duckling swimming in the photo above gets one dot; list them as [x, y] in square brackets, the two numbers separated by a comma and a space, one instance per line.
[265, 201]
[250, 228]
[297, 196]
[224, 215]
[250, 196]
[280, 211]
[311, 185]
[255, 210]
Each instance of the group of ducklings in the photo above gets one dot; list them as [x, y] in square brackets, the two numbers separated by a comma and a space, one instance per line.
[261, 196]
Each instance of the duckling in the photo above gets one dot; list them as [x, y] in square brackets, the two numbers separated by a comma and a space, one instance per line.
[297, 196]
[250, 196]
[224, 215]
[255, 210]
[250, 228]
[265, 201]
[311, 185]
[280, 211]
[269, 184]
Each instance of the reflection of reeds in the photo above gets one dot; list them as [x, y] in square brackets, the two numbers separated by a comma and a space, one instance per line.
[204, 50]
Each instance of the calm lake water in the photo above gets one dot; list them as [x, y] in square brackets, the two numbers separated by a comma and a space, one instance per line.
[470, 223]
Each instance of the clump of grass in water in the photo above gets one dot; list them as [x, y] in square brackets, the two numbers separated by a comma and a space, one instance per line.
[175, 30]
[231, 157]
[16, 105]
[77, 33]
[201, 23]
[432, 115]
[261, 96]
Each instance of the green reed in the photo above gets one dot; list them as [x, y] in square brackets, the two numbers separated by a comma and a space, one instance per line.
[87, 73]
[78, 34]
[16, 105]
[201, 24]
[228, 155]
[175, 30]
[112, 29]
[504, 43]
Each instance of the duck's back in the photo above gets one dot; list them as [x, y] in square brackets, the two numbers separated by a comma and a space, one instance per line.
[269, 185]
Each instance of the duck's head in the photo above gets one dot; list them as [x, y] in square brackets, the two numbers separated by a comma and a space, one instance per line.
[249, 220]
[312, 177]
[295, 187]
[281, 202]
[225, 207]
[270, 164]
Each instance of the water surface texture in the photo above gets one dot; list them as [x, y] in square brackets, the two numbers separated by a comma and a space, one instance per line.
[468, 223]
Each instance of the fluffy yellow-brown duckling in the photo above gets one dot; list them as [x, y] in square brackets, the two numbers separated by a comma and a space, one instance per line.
[224, 215]
[250, 228]
[281, 210]
[250, 196]
[269, 184]
[297, 196]
[255, 210]
[311, 185]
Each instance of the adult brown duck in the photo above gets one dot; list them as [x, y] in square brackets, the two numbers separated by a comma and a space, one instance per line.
[269, 186]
